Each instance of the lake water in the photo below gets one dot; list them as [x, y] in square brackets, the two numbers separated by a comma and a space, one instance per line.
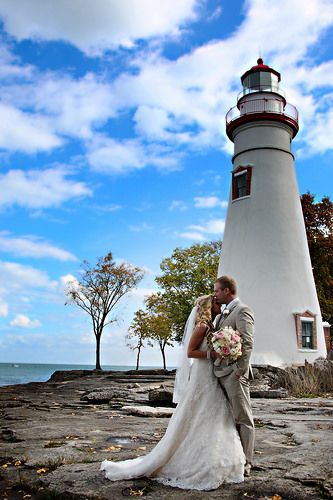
[21, 373]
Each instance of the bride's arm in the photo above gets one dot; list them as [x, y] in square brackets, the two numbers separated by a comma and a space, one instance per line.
[196, 341]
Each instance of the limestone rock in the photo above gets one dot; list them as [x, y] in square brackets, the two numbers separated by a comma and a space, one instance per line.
[161, 396]
[269, 393]
[104, 396]
[148, 411]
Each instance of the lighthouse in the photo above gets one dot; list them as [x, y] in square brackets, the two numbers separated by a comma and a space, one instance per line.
[264, 245]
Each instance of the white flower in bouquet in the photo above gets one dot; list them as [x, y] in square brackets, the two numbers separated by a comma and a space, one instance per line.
[227, 343]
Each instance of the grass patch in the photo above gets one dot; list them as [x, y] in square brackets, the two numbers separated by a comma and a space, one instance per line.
[310, 380]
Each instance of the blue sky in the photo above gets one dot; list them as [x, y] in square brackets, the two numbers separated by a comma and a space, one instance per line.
[112, 138]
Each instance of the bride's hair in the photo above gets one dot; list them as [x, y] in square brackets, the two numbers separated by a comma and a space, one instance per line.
[204, 310]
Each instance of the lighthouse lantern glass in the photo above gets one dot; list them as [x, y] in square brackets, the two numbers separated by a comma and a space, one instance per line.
[261, 80]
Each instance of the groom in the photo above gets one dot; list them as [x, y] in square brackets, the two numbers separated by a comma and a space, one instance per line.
[234, 377]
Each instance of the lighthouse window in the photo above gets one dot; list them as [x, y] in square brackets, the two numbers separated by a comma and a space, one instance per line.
[241, 182]
[306, 330]
[307, 334]
[240, 185]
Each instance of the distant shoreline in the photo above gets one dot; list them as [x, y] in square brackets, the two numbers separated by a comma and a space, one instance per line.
[17, 373]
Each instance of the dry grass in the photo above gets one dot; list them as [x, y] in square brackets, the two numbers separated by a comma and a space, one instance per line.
[308, 380]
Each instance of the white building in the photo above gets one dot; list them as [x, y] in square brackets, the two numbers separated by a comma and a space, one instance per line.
[265, 246]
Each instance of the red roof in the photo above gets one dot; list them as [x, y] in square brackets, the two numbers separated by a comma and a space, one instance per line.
[260, 67]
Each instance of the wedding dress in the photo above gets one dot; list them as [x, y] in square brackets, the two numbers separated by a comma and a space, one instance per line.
[201, 448]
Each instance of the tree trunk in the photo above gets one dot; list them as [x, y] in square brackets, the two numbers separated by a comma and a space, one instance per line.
[138, 358]
[163, 357]
[98, 348]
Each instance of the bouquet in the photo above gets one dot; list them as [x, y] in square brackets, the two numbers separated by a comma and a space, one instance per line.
[227, 343]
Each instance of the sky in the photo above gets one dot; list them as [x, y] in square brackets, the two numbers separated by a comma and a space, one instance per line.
[112, 138]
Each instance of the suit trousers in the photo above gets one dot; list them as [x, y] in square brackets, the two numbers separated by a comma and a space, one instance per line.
[237, 391]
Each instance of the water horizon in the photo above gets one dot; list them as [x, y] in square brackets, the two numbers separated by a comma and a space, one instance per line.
[15, 373]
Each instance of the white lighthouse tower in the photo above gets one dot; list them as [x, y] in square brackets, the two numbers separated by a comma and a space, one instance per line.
[265, 246]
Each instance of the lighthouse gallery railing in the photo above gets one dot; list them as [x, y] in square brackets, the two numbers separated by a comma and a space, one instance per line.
[264, 105]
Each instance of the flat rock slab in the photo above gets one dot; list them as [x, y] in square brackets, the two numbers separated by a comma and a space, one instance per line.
[52, 444]
[148, 411]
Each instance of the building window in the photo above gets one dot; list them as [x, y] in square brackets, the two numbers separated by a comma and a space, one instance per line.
[306, 330]
[307, 334]
[241, 182]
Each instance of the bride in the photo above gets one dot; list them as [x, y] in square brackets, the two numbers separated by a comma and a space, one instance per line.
[201, 448]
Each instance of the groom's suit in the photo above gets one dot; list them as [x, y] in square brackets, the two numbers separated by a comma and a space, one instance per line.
[240, 318]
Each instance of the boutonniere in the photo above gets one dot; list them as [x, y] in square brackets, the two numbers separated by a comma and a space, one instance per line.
[225, 312]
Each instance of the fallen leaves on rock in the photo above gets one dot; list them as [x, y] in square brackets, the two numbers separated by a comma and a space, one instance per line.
[112, 449]
[130, 492]
[42, 470]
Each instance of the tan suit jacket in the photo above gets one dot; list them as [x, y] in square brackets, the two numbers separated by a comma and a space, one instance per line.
[241, 319]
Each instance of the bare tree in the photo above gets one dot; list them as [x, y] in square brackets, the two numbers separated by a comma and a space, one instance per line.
[99, 289]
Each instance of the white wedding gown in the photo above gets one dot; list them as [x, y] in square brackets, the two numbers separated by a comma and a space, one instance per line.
[200, 449]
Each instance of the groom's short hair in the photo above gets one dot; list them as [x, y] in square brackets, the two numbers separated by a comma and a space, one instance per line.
[227, 282]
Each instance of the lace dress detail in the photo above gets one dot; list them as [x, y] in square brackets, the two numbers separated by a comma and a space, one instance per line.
[200, 449]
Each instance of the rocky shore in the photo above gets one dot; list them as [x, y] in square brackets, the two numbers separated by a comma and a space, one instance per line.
[54, 435]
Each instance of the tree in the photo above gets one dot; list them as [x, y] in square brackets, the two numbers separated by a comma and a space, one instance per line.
[139, 330]
[159, 322]
[153, 325]
[187, 274]
[98, 291]
[318, 218]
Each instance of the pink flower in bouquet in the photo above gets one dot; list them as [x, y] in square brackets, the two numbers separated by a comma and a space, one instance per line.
[235, 337]
[226, 350]
[219, 335]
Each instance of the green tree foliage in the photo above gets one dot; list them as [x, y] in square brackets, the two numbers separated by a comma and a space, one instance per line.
[99, 289]
[139, 332]
[318, 218]
[187, 274]
[160, 323]
[152, 325]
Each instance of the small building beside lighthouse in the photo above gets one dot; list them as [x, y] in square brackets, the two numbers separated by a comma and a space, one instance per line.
[265, 246]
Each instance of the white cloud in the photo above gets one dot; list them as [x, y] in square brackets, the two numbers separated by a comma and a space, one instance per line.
[108, 24]
[39, 188]
[141, 292]
[26, 132]
[67, 278]
[174, 103]
[213, 226]
[119, 157]
[316, 137]
[188, 97]
[209, 202]
[23, 321]
[3, 309]
[10, 67]
[192, 235]
[178, 205]
[203, 231]
[75, 107]
[32, 246]
[152, 122]
[19, 277]
[140, 227]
